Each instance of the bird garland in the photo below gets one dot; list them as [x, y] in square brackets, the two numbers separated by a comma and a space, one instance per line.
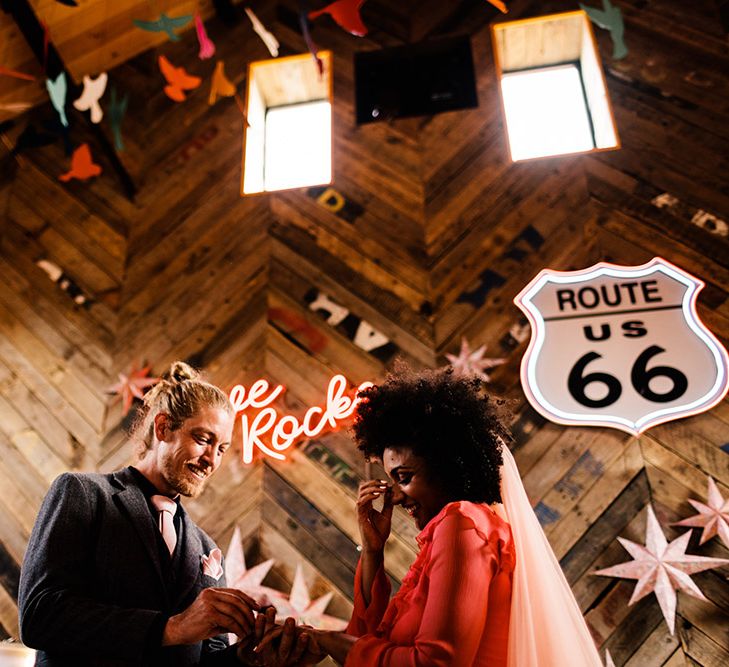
[89, 100]
[178, 80]
[166, 24]
[83, 166]
[610, 18]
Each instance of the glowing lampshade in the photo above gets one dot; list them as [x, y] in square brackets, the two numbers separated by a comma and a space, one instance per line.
[288, 141]
[552, 87]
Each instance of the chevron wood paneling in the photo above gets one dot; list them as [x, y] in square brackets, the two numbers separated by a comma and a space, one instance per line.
[439, 232]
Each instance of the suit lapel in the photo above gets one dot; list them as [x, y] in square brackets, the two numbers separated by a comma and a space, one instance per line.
[132, 502]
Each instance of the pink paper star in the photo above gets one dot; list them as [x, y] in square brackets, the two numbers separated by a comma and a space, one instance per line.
[472, 363]
[712, 517]
[662, 568]
[132, 386]
[250, 581]
[300, 606]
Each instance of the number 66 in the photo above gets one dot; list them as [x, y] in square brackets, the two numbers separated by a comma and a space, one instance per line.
[640, 377]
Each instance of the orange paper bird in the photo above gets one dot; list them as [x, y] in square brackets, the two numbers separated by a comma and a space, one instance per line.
[82, 165]
[221, 86]
[346, 14]
[501, 6]
[6, 71]
[178, 80]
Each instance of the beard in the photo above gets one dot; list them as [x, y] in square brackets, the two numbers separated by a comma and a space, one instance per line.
[179, 477]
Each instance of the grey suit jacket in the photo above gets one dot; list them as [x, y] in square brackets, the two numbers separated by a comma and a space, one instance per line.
[92, 589]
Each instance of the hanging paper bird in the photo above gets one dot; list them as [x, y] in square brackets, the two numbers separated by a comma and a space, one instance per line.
[313, 48]
[221, 86]
[32, 138]
[83, 166]
[610, 18]
[178, 80]
[57, 90]
[117, 109]
[165, 24]
[207, 48]
[92, 93]
[268, 37]
[6, 71]
[346, 15]
[501, 6]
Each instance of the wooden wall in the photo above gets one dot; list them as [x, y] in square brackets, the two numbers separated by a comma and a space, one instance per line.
[440, 231]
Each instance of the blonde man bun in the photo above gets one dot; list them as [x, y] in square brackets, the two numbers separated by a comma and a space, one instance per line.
[180, 394]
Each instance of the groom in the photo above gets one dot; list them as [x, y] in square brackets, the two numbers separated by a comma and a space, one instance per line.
[117, 574]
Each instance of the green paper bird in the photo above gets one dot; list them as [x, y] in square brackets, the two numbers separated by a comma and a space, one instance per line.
[57, 89]
[610, 18]
[116, 111]
[164, 24]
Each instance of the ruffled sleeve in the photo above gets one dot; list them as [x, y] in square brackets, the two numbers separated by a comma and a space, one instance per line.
[366, 618]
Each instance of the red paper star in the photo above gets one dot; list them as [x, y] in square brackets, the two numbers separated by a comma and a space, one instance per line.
[132, 386]
[472, 363]
[713, 517]
[662, 568]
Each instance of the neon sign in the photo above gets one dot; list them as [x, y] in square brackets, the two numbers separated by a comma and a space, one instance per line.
[281, 432]
[619, 346]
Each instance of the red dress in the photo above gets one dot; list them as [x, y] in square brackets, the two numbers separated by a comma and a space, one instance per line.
[452, 609]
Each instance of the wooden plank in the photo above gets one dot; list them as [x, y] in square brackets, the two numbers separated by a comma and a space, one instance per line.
[702, 649]
[606, 528]
[49, 394]
[708, 618]
[9, 614]
[49, 302]
[656, 649]
[281, 576]
[9, 572]
[634, 630]
[586, 512]
[310, 548]
[21, 342]
[29, 444]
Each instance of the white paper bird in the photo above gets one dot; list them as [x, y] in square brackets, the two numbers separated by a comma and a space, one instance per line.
[92, 93]
[268, 38]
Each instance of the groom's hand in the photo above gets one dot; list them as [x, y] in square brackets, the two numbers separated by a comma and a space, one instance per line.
[215, 611]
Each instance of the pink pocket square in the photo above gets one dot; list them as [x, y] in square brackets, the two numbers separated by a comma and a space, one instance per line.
[212, 564]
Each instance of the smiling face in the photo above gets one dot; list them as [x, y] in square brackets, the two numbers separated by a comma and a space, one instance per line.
[414, 488]
[183, 459]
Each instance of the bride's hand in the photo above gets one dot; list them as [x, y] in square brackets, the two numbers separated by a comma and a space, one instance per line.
[374, 526]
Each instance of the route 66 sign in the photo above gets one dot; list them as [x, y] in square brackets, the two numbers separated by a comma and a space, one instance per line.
[619, 346]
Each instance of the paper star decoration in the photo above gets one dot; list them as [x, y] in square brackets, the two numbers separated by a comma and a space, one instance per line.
[132, 385]
[712, 517]
[662, 568]
[298, 604]
[237, 575]
[472, 363]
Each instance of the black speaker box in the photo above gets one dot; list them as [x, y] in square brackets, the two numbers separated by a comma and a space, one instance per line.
[415, 80]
